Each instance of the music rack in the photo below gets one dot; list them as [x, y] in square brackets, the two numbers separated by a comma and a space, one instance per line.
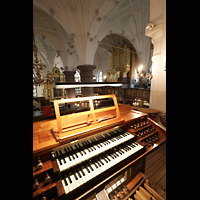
[91, 122]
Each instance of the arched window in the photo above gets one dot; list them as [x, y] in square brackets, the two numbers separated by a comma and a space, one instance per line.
[136, 75]
[100, 76]
[77, 78]
[34, 88]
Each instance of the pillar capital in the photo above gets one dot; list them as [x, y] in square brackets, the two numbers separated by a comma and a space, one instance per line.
[69, 76]
[86, 66]
[86, 72]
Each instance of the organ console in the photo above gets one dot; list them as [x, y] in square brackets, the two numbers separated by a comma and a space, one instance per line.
[95, 154]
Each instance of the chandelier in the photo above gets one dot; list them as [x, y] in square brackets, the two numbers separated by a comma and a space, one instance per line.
[148, 76]
[38, 66]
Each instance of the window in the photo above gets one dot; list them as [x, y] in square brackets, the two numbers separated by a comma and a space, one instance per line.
[77, 78]
[136, 75]
[34, 88]
[100, 76]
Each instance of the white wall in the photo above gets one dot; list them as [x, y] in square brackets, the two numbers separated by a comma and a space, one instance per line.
[40, 91]
[158, 35]
[102, 61]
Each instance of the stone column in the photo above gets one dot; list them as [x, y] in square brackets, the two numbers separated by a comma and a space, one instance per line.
[69, 78]
[86, 72]
[158, 35]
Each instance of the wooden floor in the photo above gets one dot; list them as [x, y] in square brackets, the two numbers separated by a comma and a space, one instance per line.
[155, 170]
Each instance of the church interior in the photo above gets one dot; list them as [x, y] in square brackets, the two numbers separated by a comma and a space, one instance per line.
[99, 89]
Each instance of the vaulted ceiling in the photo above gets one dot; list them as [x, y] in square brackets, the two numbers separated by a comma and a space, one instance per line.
[75, 29]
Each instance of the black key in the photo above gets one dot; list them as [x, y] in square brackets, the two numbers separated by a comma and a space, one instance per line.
[95, 142]
[87, 168]
[67, 153]
[100, 160]
[88, 163]
[73, 172]
[97, 161]
[81, 148]
[118, 151]
[62, 155]
[73, 151]
[99, 141]
[111, 154]
[86, 146]
[103, 139]
[70, 152]
[68, 176]
[65, 180]
[124, 148]
[92, 144]
[89, 145]
[58, 156]
[77, 170]
[94, 162]
[106, 156]
[80, 168]
[107, 137]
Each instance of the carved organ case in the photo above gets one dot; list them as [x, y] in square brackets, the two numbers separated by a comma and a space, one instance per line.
[81, 155]
[49, 91]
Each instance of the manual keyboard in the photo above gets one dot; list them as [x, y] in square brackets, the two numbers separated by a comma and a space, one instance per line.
[95, 166]
[73, 154]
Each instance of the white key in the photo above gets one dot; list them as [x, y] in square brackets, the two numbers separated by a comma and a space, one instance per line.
[103, 168]
[79, 181]
[74, 183]
[68, 163]
[87, 174]
[98, 150]
[96, 171]
[99, 170]
[70, 188]
[83, 178]
[106, 166]
[66, 188]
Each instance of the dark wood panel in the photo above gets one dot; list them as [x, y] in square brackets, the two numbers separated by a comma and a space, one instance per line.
[155, 169]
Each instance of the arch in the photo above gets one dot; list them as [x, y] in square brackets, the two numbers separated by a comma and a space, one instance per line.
[54, 16]
[110, 41]
[58, 62]
[42, 6]
[96, 25]
[45, 54]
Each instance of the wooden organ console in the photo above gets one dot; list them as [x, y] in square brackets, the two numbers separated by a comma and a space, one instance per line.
[87, 155]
